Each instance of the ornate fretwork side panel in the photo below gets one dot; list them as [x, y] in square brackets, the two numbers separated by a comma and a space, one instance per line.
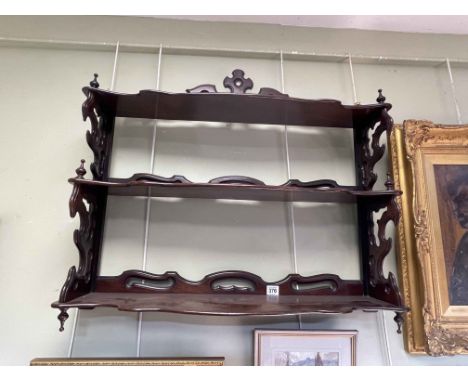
[368, 149]
[89, 205]
[375, 246]
[100, 136]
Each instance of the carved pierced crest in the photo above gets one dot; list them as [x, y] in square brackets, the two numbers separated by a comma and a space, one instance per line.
[237, 84]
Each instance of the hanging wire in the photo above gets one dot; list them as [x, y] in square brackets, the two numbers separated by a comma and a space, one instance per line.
[194, 50]
[353, 83]
[382, 324]
[454, 95]
[116, 57]
[148, 205]
[72, 339]
[288, 173]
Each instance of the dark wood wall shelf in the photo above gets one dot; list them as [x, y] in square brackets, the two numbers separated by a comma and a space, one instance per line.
[227, 304]
[240, 188]
[276, 109]
[230, 292]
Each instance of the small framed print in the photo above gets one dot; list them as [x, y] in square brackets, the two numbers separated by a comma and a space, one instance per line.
[305, 348]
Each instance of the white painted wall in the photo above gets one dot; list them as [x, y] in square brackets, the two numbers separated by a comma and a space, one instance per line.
[42, 140]
[454, 24]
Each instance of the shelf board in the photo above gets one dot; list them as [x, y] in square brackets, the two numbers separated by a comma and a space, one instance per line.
[234, 108]
[224, 304]
[180, 187]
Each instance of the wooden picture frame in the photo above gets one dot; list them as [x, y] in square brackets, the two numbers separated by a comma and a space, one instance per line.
[304, 348]
[430, 166]
[185, 361]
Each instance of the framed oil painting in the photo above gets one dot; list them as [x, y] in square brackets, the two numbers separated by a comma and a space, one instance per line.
[430, 166]
[304, 348]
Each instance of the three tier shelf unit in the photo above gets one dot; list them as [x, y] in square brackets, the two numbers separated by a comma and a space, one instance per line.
[139, 291]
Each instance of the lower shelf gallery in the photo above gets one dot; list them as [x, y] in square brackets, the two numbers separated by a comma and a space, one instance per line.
[226, 293]
[227, 304]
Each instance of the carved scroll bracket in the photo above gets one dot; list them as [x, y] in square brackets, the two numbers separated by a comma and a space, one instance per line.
[378, 251]
[382, 287]
[369, 150]
[99, 138]
[90, 208]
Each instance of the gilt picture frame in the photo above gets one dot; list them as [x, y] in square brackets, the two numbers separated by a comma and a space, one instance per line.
[430, 166]
[305, 348]
[141, 361]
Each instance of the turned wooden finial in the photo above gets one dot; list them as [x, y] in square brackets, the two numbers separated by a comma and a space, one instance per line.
[381, 98]
[399, 319]
[94, 83]
[389, 182]
[63, 316]
[81, 171]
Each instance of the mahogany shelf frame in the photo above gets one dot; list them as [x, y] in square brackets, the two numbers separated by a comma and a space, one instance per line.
[232, 292]
[234, 187]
